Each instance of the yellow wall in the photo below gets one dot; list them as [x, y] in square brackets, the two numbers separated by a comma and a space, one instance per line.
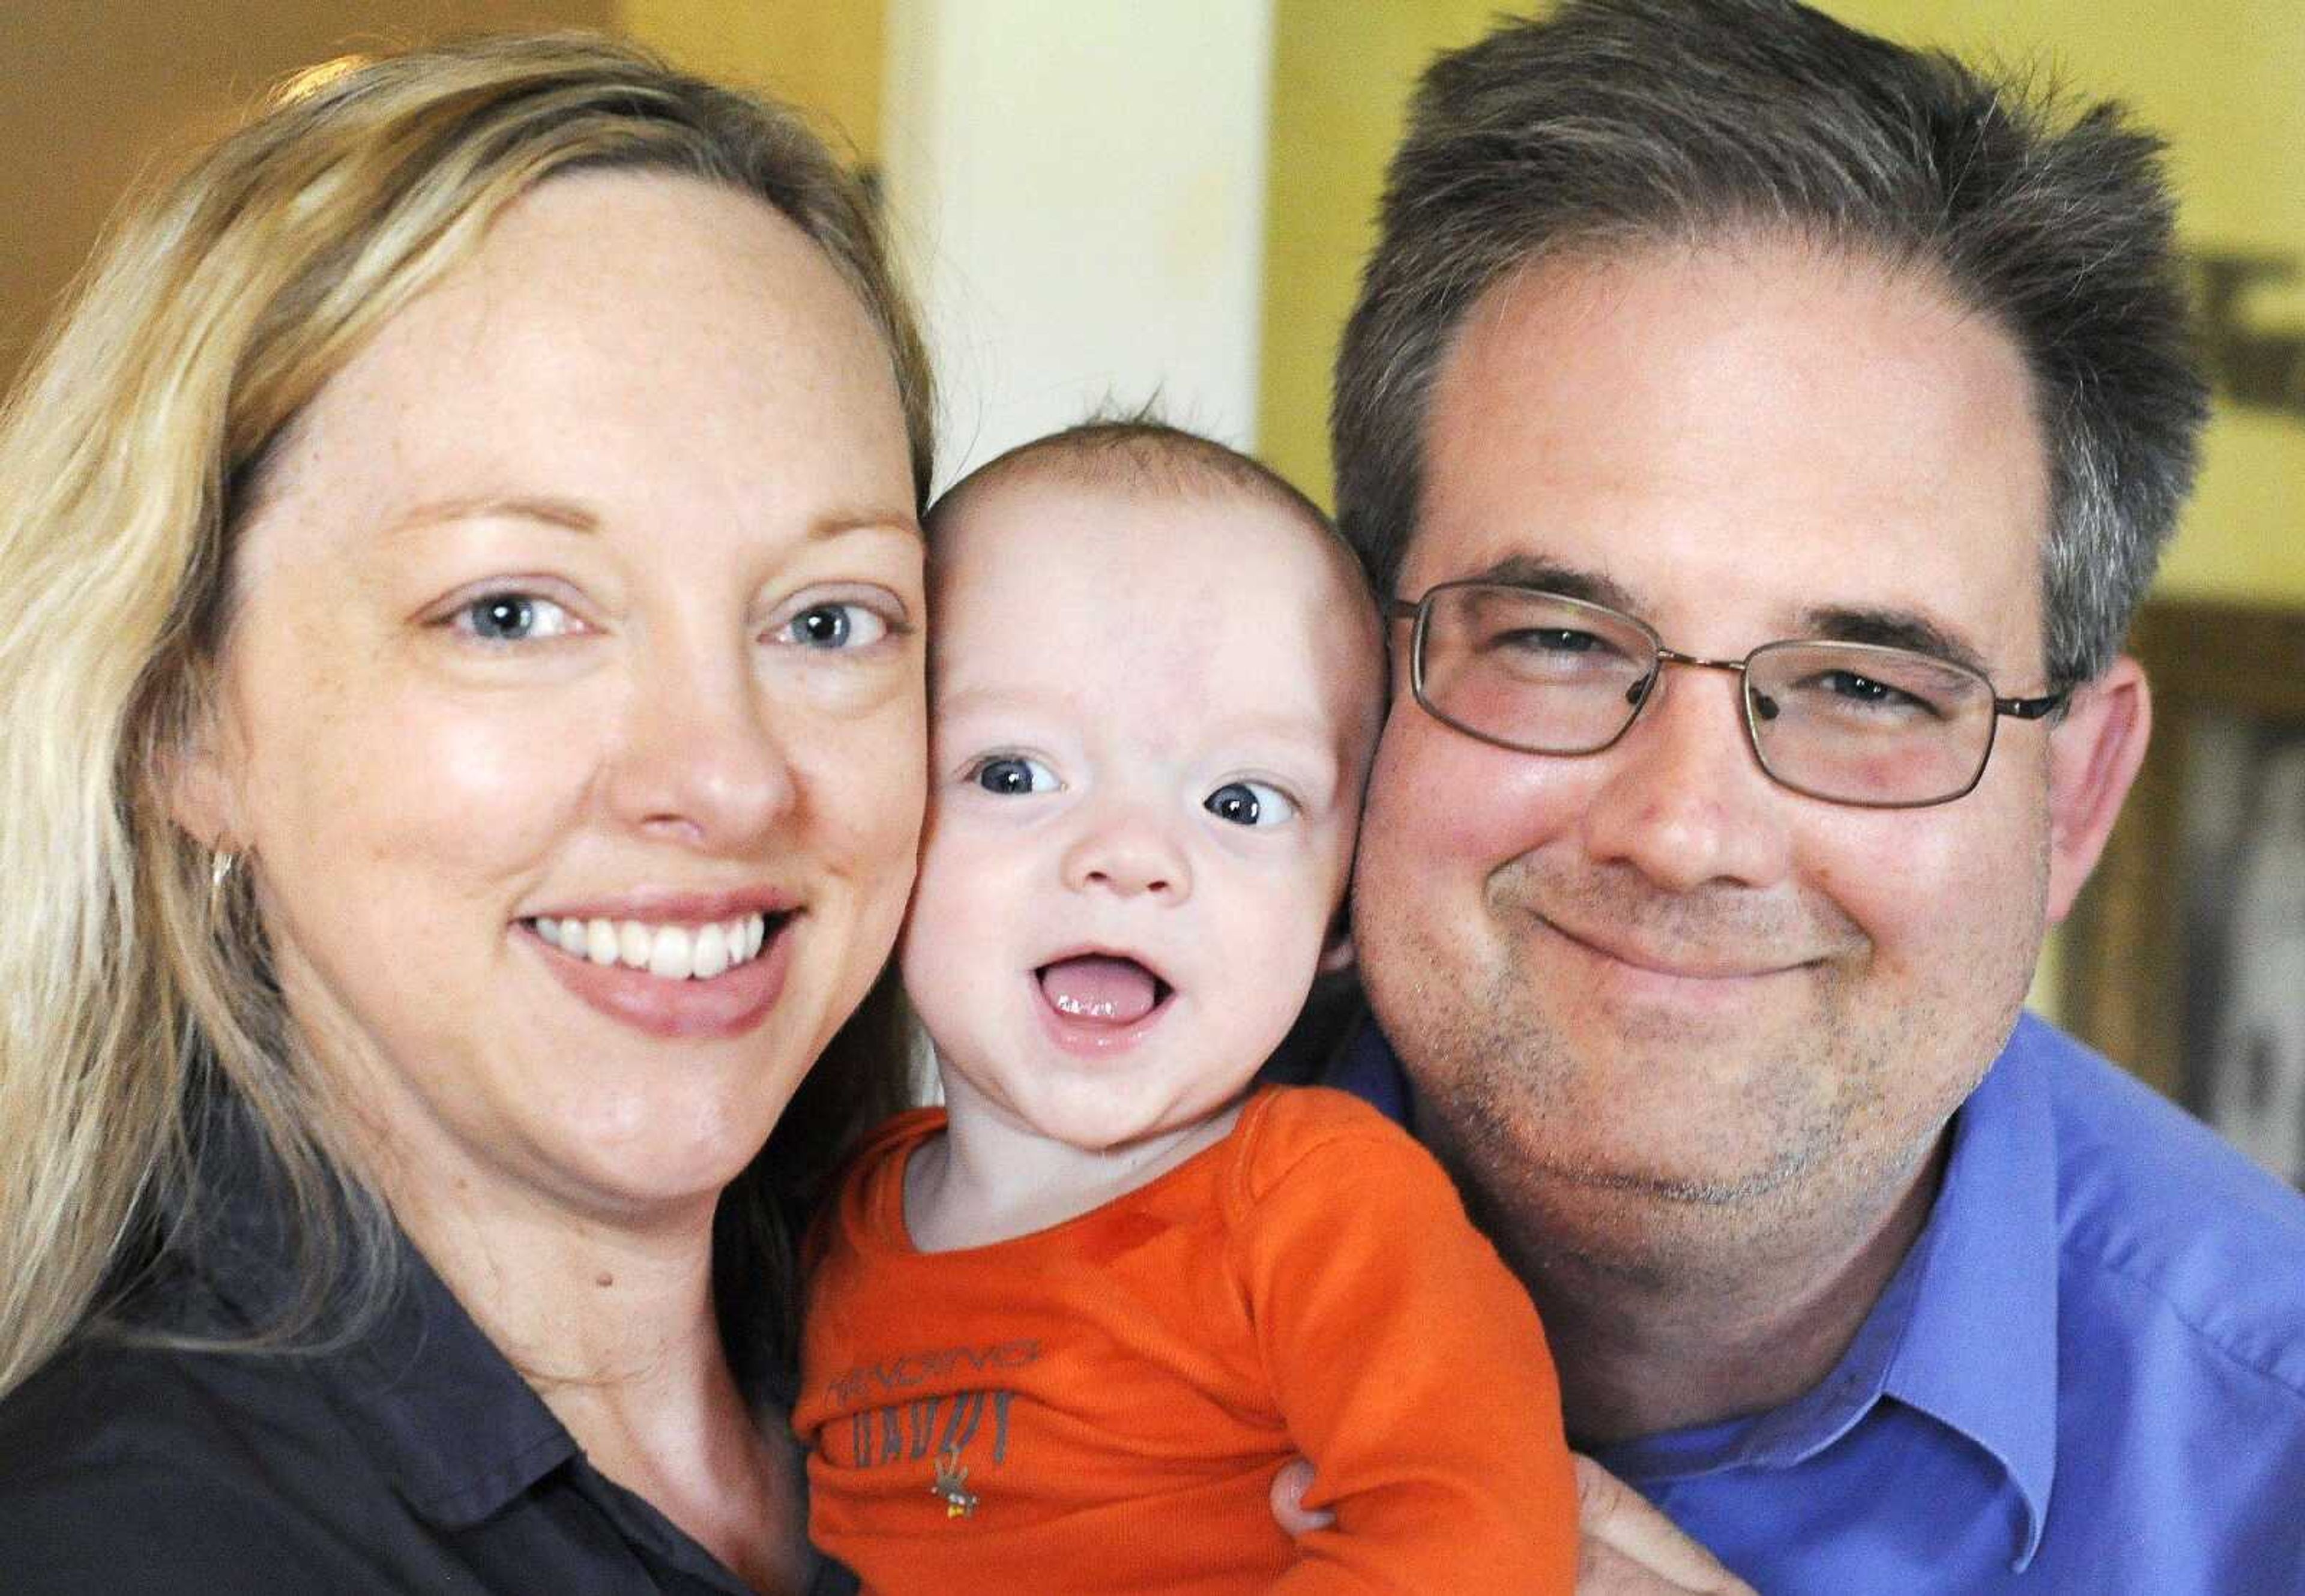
[823, 55]
[2224, 80]
[1341, 75]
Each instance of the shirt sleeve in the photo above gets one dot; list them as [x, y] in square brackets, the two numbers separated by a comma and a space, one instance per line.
[1408, 1362]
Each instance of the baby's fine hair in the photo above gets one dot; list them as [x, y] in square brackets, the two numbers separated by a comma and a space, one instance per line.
[1138, 452]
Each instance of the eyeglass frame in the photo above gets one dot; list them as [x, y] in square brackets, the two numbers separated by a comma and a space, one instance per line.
[1419, 609]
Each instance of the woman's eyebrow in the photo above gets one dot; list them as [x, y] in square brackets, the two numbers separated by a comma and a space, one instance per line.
[836, 524]
[564, 514]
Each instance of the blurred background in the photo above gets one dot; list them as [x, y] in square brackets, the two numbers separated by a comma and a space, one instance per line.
[1104, 202]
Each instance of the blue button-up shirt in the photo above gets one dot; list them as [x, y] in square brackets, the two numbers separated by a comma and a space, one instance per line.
[2088, 1374]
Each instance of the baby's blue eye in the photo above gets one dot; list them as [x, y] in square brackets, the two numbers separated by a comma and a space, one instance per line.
[514, 617]
[1012, 776]
[1250, 803]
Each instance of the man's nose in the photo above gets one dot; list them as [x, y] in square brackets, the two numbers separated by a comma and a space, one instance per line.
[1684, 802]
[1126, 850]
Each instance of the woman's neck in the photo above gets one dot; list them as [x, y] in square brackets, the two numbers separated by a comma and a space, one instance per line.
[614, 1326]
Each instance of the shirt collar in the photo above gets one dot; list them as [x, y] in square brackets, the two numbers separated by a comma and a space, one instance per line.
[451, 1423]
[460, 1431]
[1965, 1331]
[1368, 1068]
[1979, 1353]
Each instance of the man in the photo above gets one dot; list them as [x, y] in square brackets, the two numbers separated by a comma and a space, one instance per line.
[1767, 432]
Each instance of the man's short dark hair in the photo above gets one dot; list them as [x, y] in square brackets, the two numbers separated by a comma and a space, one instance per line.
[1616, 126]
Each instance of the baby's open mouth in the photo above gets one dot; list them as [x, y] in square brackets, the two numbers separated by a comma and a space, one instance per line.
[1102, 987]
[682, 952]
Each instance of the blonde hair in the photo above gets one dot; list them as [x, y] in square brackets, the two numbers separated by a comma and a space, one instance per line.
[134, 991]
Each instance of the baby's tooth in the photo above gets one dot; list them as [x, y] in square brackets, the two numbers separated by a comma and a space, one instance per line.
[633, 943]
[710, 956]
[670, 955]
[600, 942]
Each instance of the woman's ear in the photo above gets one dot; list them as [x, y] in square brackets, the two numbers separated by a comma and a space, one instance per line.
[200, 796]
[2094, 755]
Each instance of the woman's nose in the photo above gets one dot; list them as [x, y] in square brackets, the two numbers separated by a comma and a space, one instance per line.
[702, 757]
[1127, 853]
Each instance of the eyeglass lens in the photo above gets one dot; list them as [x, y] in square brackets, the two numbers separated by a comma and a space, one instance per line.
[1849, 722]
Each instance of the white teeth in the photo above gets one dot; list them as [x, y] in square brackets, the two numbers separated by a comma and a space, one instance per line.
[669, 957]
[711, 955]
[670, 951]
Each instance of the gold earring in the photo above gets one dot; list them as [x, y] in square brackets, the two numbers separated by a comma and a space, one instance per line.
[223, 866]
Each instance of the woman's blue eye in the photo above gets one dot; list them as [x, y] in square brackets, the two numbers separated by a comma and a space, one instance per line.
[1011, 776]
[1250, 803]
[830, 626]
[514, 617]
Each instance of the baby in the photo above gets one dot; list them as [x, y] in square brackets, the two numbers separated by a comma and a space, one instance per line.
[1063, 1332]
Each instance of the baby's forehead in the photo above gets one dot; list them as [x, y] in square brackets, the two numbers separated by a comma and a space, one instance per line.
[999, 519]
[1101, 582]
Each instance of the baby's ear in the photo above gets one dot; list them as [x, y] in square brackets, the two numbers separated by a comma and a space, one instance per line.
[1337, 949]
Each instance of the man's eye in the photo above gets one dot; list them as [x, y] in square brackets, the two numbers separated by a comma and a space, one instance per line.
[1865, 692]
[1553, 639]
[1010, 776]
[1250, 803]
[830, 626]
[514, 618]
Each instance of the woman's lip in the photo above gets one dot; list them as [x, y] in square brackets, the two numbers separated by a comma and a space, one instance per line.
[719, 1006]
[670, 907]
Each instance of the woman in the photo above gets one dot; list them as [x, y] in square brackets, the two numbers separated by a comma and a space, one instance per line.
[461, 767]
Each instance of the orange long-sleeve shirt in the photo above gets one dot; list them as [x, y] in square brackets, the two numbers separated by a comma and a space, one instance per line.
[1101, 1407]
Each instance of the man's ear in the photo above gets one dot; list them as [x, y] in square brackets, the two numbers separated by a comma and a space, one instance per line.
[2094, 756]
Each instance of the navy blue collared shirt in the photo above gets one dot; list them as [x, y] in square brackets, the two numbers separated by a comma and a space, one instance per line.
[415, 1459]
[2087, 1375]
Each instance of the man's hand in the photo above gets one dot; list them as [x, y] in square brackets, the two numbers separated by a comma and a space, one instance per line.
[1625, 1547]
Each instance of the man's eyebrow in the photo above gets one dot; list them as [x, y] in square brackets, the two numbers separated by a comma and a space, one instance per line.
[1555, 576]
[564, 514]
[1892, 628]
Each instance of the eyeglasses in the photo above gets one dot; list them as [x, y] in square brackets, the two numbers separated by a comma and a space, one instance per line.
[1849, 722]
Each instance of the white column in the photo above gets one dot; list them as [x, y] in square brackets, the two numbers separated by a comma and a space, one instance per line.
[1076, 188]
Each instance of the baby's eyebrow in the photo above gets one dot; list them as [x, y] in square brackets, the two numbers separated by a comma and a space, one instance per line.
[946, 702]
